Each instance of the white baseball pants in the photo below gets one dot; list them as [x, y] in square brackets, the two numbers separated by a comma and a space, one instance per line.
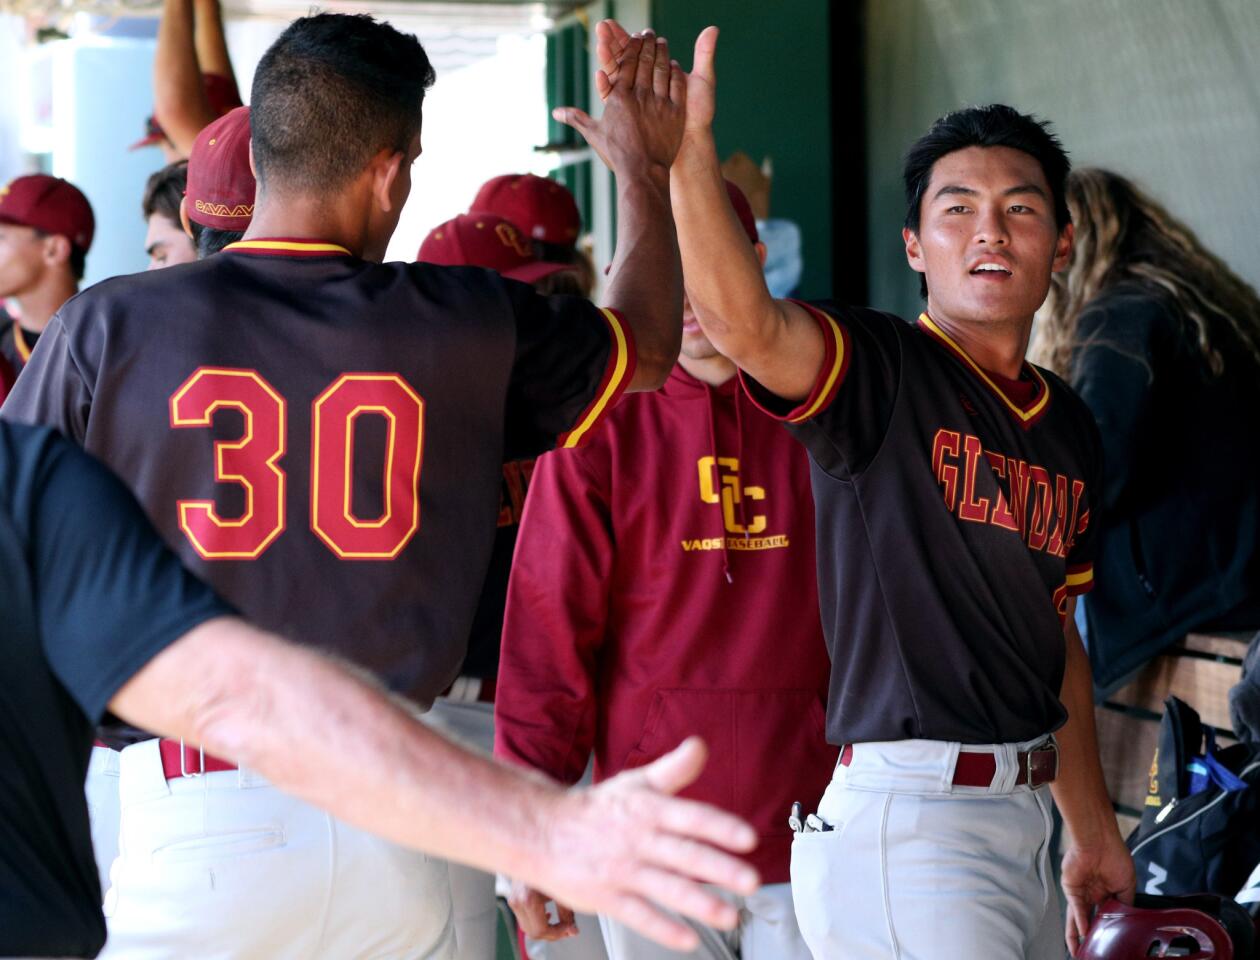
[101, 790]
[767, 930]
[919, 869]
[223, 866]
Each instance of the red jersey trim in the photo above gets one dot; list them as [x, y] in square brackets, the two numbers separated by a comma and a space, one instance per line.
[1025, 415]
[288, 248]
[618, 373]
[835, 366]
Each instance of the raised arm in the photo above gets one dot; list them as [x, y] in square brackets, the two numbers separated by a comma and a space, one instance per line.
[210, 40]
[774, 341]
[179, 99]
[637, 138]
[318, 730]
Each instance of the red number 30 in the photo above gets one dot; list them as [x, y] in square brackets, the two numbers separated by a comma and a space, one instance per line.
[251, 462]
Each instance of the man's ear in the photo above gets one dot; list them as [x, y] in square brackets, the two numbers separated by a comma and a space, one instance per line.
[914, 251]
[385, 168]
[761, 253]
[1063, 248]
[57, 249]
[183, 218]
[252, 169]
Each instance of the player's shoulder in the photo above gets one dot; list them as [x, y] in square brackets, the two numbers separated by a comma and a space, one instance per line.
[135, 293]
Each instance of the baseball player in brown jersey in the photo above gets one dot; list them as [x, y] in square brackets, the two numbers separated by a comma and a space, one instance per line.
[954, 487]
[320, 436]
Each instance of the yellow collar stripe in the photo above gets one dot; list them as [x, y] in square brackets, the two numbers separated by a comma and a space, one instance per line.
[1024, 415]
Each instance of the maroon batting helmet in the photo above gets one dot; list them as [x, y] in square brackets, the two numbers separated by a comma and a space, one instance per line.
[1199, 927]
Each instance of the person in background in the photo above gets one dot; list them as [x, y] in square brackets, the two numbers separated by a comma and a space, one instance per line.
[165, 242]
[546, 212]
[46, 228]
[1162, 340]
[664, 582]
[193, 81]
[219, 204]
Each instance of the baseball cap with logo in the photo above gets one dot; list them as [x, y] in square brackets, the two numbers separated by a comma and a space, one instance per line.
[543, 209]
[221, 186]
[484, 240]
[50, 205]
[221, 95]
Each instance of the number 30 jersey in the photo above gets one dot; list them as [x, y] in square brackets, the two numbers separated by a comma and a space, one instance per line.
[321, 438]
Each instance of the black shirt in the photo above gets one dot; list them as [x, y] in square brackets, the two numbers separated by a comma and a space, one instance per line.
[953, 524]
[90, 594]
[1179, 547]
[321, 438]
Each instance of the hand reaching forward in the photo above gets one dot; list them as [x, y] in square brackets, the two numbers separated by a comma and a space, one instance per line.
[1090, 876]
[618, 846]
[642, 125]
[611, 43]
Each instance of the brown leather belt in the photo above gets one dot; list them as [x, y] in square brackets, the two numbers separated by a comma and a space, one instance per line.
[1036, 767]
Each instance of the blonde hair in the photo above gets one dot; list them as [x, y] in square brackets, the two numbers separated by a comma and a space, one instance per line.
[1122, 235]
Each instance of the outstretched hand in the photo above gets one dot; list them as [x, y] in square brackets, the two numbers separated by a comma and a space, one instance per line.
[611, 42]
[642, 124]
[625, 846]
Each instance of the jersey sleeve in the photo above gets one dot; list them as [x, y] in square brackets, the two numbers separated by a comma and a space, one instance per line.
[52, 389]
[545, 701]
[109, 594]
[573, 361]
[845, 417]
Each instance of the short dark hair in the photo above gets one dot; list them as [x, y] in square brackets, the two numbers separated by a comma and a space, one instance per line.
[164, 191]
[329, 94]
[209, 240]
[996, 125]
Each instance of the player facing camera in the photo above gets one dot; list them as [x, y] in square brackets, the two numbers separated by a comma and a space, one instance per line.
[997, 177]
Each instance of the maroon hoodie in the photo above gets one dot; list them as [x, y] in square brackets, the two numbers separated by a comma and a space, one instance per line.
[664, 585]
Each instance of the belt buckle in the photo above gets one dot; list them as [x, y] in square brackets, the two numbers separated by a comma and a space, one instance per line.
[1051, 745]
[183, 762]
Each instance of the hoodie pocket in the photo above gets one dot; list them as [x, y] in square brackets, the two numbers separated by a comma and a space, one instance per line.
[766, 748]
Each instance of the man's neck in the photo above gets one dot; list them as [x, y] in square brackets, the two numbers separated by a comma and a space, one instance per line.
[998, 346]
[715, 370]
[303, 217]
[37, 307]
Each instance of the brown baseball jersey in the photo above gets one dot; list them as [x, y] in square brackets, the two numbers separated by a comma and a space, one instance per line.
[955, 516]
[322, 438]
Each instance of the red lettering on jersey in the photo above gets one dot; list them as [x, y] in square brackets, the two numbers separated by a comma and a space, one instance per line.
[1059, 537]
[1069, 542]
[251, 462]
[332, 461]
[1020, 478]
[1002, 516]
[971, 508]
[946, 442]
[1042, 508]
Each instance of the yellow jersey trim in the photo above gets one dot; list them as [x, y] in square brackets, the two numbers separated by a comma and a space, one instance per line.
[1025, 415]
[614, 385]
[832, 376]
[19, 340]
[293, 246]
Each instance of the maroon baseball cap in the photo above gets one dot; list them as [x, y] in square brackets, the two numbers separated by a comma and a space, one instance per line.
[221, 186]
[51, 205]
[221, 94]
[543, 209]
[742, 210]
[484, 240]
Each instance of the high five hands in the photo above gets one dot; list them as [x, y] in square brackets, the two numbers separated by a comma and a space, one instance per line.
[642, 123]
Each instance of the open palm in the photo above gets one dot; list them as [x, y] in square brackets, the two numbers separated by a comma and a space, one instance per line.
[611, 40]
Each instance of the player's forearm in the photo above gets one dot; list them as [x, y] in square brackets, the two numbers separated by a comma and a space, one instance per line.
[179, 102]
[335, 739]
[724, 280]
[1080, 791]
[645, 283]
[211, 44]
